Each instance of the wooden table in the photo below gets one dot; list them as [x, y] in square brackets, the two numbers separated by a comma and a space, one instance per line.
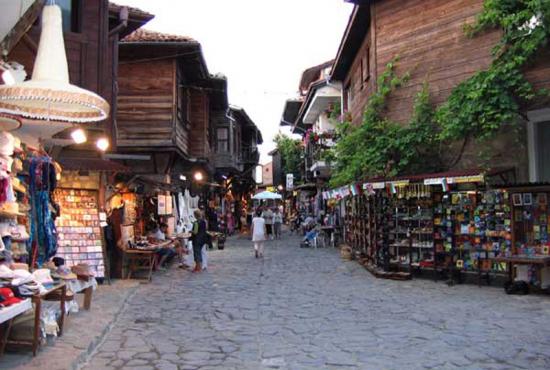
[540, 260]
[59, 289]
[7, 315]
[140, 260]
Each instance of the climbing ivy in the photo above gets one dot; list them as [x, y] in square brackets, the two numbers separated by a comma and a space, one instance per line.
[479, 106]
[476, 108]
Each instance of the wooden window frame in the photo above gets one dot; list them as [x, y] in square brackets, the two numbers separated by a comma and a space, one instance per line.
[226, 140]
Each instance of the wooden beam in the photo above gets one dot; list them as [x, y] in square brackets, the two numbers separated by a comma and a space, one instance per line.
[30, 43]
[22, 27]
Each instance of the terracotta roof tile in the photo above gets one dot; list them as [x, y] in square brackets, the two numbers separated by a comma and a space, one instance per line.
[142, 35]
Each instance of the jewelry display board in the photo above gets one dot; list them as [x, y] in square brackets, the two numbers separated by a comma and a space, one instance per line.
[79, 232]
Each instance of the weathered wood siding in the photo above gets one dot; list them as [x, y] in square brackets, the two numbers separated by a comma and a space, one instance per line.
[199, 140]
[429, 38]
[146, 101]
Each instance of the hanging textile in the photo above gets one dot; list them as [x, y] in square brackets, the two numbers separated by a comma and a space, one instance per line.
[42, 181]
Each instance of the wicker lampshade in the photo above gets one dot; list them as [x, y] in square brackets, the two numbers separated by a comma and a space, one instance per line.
[48, 95]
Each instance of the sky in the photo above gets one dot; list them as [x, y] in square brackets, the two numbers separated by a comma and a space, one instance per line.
[262, 46]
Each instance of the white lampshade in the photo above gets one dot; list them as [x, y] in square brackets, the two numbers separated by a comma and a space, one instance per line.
[49, 95]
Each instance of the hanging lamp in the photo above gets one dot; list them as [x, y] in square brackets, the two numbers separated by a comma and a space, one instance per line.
[48, 95]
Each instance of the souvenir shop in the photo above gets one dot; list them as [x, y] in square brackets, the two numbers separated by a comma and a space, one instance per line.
[51, 245]
[462, 226]
[134, 209]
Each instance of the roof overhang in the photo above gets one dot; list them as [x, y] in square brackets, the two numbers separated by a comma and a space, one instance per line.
[290, 112]
[188, 52]
[323, 98]
[245, 121]
[136, 18]
[357, 28]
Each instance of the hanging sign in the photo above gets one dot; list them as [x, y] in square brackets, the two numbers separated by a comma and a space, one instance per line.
[465, 179]
[399, 183]
[289, 181]
[374, 185]
[435, 181]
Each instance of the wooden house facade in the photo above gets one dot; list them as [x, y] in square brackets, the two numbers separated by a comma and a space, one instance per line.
[173, 109]
[163, 102]
[429, 39]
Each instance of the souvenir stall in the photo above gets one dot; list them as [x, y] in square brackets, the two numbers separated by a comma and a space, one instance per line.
[30, 271]
[132, 211]
[527, 259]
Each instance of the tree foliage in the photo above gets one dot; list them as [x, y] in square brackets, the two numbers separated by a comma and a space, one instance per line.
[291, 154]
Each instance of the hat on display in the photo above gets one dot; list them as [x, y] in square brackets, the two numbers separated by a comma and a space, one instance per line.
[6, 272]
[83, 271]
[20, 232]
[58, 261]
[21, 277]
[4, 167]
[10, 207]
[65, 273]
[9, 122]
[7, 144]
[5, 229]
[7, 298]
[19, 266]
[42, 276]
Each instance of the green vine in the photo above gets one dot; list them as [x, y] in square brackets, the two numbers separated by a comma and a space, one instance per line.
[479, 106]
[476, 109]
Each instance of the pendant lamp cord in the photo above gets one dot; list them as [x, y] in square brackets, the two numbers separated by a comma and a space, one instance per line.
[50, 2]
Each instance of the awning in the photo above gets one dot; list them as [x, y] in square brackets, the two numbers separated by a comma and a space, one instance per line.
[91, 164]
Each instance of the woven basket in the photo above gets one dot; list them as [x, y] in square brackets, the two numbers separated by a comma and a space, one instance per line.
[345, 252]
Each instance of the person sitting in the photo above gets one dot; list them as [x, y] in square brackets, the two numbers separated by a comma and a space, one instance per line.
[166, 251]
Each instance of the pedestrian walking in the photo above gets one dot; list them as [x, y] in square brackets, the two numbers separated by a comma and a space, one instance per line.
[199, 238]
[277, 223]
[258, 234]
[267, 215]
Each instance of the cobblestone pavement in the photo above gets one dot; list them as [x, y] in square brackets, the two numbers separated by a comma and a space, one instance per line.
[307, 309]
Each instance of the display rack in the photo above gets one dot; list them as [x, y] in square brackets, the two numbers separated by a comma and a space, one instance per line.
[79, 232]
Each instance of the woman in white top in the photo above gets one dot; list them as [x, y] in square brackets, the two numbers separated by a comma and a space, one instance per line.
[258, 234]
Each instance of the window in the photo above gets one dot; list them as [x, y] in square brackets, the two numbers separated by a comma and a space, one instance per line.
[348, 96]
[366, 66]
[183, 105]
[71, 15]
[223, 139]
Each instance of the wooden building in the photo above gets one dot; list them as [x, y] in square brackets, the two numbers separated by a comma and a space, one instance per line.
[173, 109]
[428, 36]
[164, 103]
[92, 29]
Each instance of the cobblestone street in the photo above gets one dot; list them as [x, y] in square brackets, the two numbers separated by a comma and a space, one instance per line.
[308, 309]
